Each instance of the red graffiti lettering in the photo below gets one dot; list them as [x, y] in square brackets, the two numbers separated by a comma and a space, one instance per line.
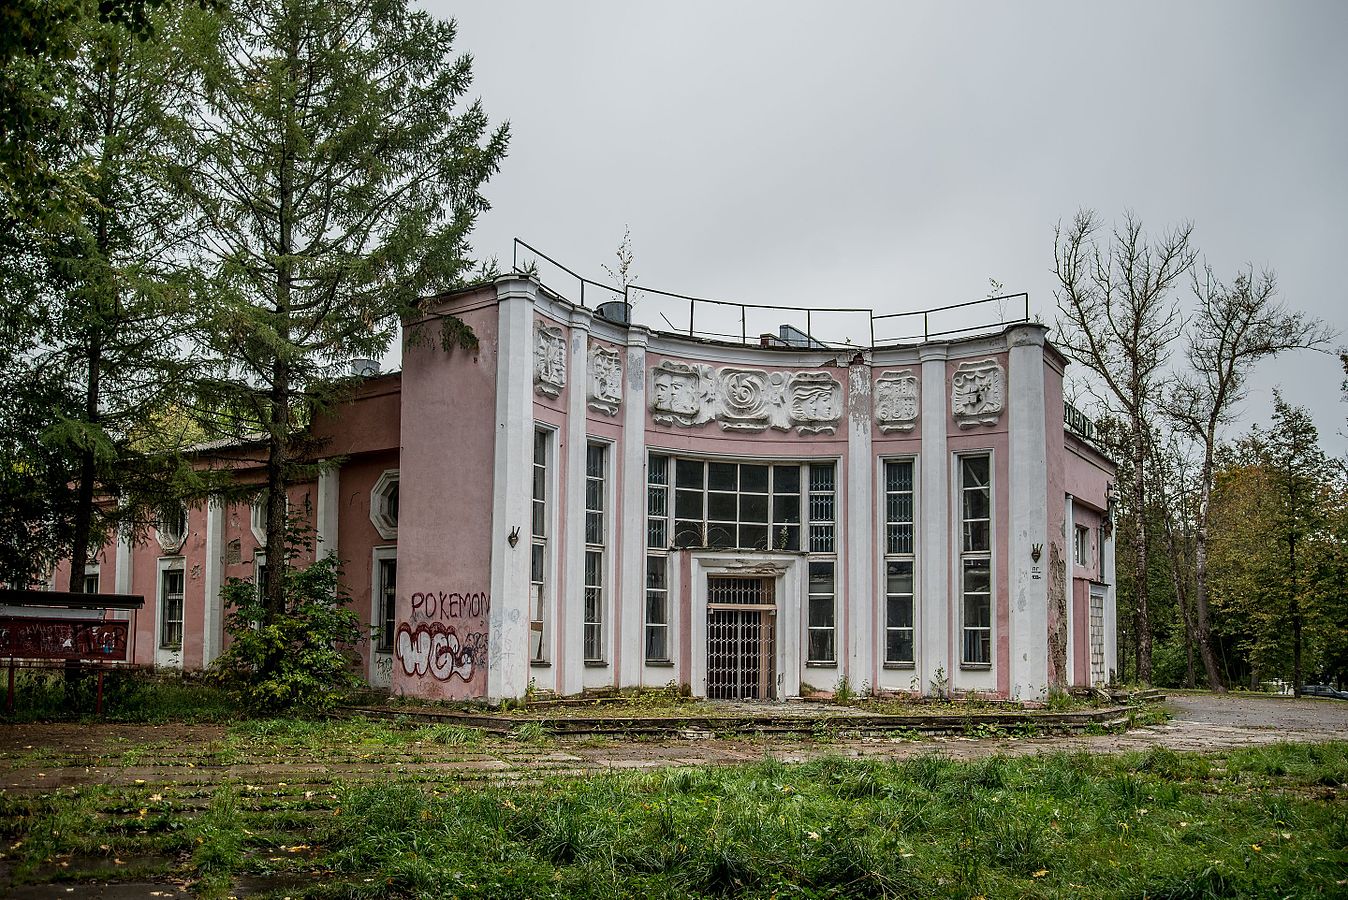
[434, 649]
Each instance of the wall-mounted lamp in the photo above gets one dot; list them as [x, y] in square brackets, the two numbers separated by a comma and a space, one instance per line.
[1036, 551]
[514, 536]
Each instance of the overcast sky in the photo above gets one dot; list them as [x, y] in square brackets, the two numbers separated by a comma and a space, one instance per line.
[898, 155]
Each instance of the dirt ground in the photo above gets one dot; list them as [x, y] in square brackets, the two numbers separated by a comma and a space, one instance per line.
[41, 758]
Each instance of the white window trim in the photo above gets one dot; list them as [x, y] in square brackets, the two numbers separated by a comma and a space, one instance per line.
[168, 564]
[607, 562]
[882, 538]
[257, 520]
[550, 542]
[1081, 545]
[383, 523]
[378, 555]
[957, 484]
[659, 552]
[93, 569]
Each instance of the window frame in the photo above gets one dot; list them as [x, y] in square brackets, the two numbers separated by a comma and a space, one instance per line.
[167, 566]
[1081, 545]
[595, 577]
[967, 556]
[828, 527]
[657, 556]
[378, 596]
[384, 519]
[541, 528]
[906, 558]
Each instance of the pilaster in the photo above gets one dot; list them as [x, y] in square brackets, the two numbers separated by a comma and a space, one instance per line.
[215, 558]
[631, 594]
[1028, 515]
[859, 625]
[571, 604]
[508, 620]
[329, 494]
[934, 537]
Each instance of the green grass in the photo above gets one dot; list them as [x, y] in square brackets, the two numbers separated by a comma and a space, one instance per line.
[1270, 821]
[49, 695]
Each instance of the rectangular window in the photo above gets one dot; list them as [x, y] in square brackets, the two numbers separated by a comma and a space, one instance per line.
[823, 489]
[752, 506]
[388, 595]
[822, 612]
[171, 608]
[596, 466]
[538, 549]
[91, 582]
[657, 502]
[657, 609]
[1082, 546]
[976, 559]
[899, 562]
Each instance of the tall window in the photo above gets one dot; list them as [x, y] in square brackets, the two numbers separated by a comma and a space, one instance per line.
[538, 550]
[596, 466]
[976, 558]
[1082, 545]
[821, 646]
[388, 595]
[899, 562]
[91, 580]
[752, 506]
[171, 608]
[657, 562]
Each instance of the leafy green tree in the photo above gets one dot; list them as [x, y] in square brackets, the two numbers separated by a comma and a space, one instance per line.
[100, 330]
[297, 658]
[340, 177]
[1236, 326]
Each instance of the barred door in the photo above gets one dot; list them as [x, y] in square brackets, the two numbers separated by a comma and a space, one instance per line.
[741, 622]
[1097, 629]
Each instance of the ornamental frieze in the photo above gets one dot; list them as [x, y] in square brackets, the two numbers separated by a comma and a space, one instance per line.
[549, 361]
[740, 399]
[978, 393]
[605, 380]
[896, 401]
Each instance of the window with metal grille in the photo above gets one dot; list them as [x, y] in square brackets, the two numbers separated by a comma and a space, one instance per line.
[538, 548]
[596, 466]
[976, 559]
[899, 491]
[823, 491]
[657, 562]
[171, 609]
[388, 595]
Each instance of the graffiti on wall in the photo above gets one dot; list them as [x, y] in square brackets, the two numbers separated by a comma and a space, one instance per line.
[445, 637]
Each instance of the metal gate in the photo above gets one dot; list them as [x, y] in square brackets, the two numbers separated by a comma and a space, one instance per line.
[1097, 628]
[741, 625]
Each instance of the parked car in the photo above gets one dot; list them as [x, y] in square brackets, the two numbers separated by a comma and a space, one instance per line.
[1323, 690]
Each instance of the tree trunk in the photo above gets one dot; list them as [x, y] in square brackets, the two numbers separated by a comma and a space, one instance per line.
[1140, 597]
[1202, 627]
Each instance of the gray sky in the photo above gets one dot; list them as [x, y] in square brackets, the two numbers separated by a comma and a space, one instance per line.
[897, 156]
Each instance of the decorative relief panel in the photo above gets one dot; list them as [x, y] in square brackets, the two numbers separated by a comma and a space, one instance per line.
[815, 403]
[549, 361]
[752, 400]
[978, 393]
[606, 380]
[896, 401]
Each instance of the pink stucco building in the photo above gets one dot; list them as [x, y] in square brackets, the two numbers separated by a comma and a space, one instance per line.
[591, 503]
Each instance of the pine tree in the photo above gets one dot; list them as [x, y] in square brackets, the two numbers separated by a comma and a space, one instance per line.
[341, 178]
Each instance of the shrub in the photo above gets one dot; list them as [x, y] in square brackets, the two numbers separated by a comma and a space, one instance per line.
[298, 659]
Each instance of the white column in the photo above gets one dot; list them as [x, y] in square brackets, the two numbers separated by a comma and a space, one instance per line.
[1028, 515]
[631, 592]
[572, 601]
[1111, 609]
[1069, 548]
[934, 534]
[215, 559]
[329, 501]
[860, 531]
[508, 622]
[122, 579]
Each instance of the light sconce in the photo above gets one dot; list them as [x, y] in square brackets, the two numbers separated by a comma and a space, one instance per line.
[514, 537]
[1036, 551]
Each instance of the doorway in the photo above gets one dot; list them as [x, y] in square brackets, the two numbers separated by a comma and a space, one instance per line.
[741, 632]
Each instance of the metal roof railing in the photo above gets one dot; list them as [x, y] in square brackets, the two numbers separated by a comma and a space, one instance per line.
[719, 318]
